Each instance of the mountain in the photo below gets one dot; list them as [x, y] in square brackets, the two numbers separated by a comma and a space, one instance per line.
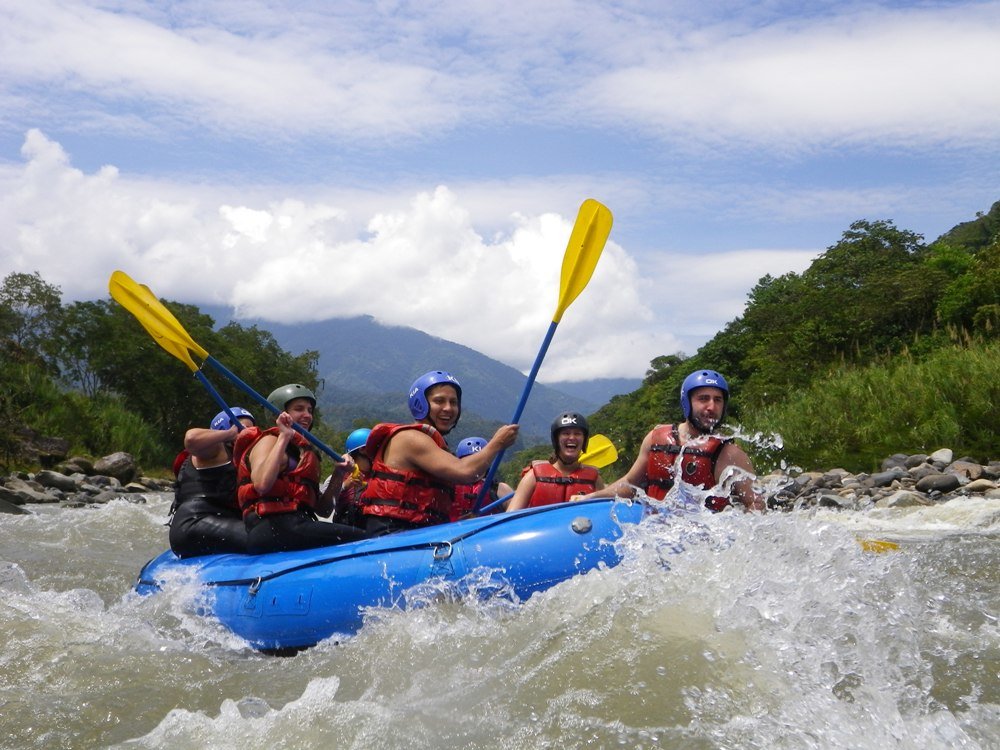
[367, 369]
[599, 390]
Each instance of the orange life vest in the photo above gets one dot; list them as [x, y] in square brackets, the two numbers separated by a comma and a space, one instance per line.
[295, 488]
[552, 486]
[411, 496]
[698, 463]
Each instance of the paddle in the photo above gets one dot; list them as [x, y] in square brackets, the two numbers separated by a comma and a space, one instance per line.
[877, 545]
[600, 452]
[168, 332]
[590, 233]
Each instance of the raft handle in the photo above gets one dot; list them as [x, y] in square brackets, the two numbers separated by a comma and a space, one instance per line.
[442, 550]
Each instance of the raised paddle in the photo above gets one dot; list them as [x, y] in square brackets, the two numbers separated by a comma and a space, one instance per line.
[600, 452]
[167, 331]
[586, 242]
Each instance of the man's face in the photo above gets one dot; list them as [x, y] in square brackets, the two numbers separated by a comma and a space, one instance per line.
[443, 409]
[707, 405]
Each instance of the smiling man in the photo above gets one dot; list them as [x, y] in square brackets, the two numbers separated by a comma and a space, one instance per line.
[692, 453]
[413, 473]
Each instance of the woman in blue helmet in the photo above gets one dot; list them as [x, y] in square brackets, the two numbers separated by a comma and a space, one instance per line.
[692, 453]
[467, 494]
[413, 473]
[347, 507]
[205, 518]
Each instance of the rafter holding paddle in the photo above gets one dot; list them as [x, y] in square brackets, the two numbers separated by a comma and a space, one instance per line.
[600, 452]
[586, 242]
[168, 332]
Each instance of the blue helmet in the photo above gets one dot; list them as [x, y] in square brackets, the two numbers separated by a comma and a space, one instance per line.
[469, 446]
[221, 421]
[357, 440]
[702, 379]
[417, 400]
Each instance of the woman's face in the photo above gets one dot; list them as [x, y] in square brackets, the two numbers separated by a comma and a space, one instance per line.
[301, 412]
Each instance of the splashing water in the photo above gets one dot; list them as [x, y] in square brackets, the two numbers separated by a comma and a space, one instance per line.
[716, 631]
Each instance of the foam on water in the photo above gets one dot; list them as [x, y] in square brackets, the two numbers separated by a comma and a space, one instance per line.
[717, 631]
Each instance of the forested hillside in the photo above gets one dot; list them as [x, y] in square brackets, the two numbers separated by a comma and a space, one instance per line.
[895, 337]
[885, 343]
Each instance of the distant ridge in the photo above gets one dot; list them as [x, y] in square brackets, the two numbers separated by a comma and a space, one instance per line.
[368, 367]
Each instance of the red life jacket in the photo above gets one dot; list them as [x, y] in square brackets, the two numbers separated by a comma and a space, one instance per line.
[699, 457]
[465, 499]
[552, 486]
[293, 489]
[411, 496]
[179, 460]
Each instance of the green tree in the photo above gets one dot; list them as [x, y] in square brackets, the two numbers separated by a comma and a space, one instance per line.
[30, 307]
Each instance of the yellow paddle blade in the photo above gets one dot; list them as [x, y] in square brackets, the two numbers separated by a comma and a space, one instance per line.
[877, 545]
[600, 452]
[590, 233]
[158, 321]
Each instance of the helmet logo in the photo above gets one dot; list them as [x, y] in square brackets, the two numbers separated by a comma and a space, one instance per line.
[568, 419]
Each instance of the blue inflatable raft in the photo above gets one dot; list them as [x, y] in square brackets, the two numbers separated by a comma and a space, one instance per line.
[292, 600]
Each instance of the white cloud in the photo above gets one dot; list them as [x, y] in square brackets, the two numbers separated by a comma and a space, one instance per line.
[266, 81]
[907, 76]
[368, 72]
[424, 265]
[708, 290]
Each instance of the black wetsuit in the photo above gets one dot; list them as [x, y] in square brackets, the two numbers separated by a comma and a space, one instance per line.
[205, 518]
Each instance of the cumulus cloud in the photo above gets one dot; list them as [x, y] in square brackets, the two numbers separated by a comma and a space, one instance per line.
[906, 77]
[424, 265]
[367, 72]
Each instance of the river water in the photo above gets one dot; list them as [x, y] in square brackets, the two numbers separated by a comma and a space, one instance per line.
[724, 631]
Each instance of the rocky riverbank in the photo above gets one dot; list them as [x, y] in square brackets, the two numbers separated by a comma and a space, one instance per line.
[903, 481]
[78, 482]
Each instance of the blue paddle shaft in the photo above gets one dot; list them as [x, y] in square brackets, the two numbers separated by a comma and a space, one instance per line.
[517, 412]
[495, 503]
[271, 407]
[218, 398]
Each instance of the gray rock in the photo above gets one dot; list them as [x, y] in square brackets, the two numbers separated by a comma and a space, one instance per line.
[885, 478]
[12, 508]
[903, 499]
[831, 500]
[980, 486]
[942, 457]
[939, 483]
[49, 478]
[964, 468]
[80, 464]
[896, 459]
[19, 492]
[105, 482]
[915, 460]
[119, 465]
[924, 470]
[104, 497]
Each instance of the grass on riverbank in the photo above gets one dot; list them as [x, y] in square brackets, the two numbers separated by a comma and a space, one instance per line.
[856, 416]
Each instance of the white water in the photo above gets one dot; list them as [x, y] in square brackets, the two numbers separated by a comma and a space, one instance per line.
[724, 631]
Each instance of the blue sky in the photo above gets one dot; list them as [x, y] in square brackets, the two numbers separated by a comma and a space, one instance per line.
[423, 162]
